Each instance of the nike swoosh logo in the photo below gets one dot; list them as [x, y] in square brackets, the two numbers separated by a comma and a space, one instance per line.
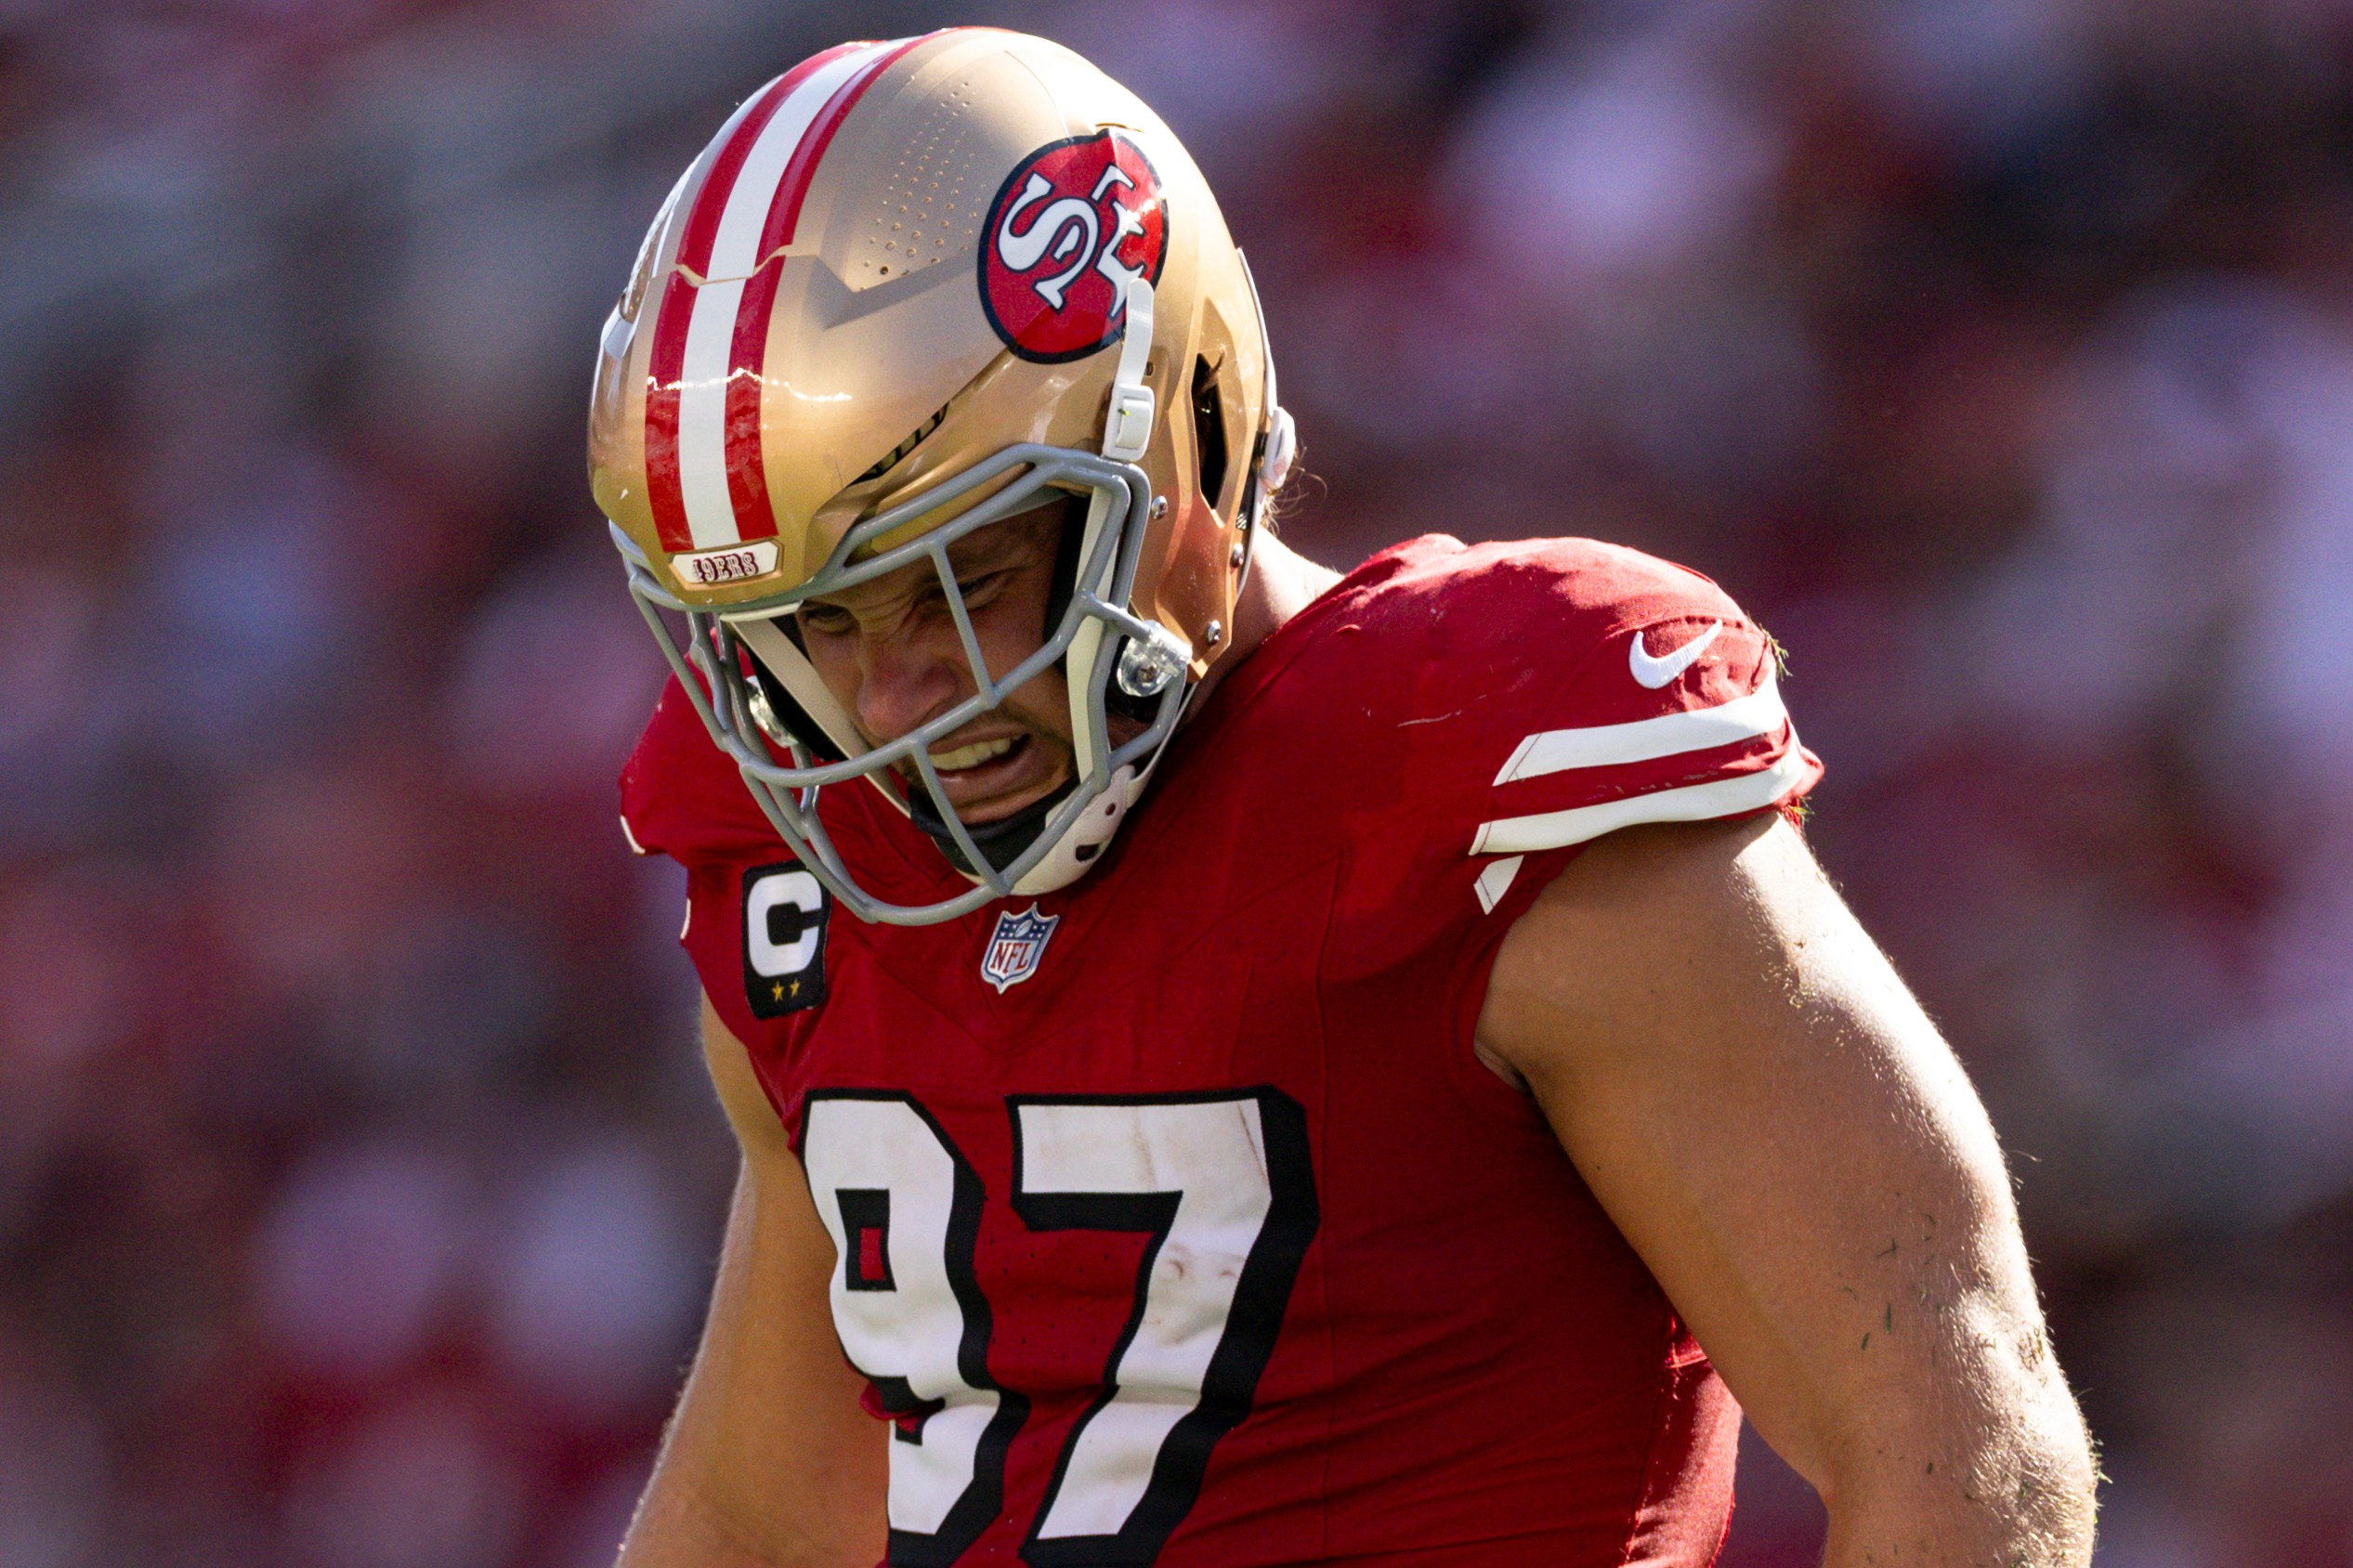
[1657, 672]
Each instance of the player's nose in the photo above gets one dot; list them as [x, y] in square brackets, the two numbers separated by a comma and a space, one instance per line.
[903, 680]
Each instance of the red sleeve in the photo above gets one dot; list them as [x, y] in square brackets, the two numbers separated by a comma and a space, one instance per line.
[680, 796]
[1475, 715]
[1711, 738]
[1527, 697]
[1623, 690]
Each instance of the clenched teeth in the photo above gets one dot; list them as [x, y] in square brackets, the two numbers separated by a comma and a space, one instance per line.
[972, 755]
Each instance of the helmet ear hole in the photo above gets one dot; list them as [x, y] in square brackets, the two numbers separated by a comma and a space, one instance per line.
[1208, 432]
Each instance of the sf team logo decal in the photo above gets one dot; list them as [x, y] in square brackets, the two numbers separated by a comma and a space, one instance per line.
[1015, 947]
[1074, 222]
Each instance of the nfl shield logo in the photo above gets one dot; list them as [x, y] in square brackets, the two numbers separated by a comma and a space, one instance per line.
[1015, 949]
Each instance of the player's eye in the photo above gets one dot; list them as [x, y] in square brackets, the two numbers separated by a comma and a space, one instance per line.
[981, 587]
[826, 621]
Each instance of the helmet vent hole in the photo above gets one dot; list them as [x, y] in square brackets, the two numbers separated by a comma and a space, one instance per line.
[1208, 432]
[883, 464]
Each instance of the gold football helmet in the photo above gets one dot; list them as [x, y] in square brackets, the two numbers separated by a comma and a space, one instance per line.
[912, 288]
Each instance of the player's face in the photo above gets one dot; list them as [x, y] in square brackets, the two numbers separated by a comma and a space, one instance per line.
[889, 651]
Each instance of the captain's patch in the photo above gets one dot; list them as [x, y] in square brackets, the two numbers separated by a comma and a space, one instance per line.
[785, 910]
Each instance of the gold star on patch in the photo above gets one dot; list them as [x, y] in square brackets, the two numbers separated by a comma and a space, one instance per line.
[777, 991]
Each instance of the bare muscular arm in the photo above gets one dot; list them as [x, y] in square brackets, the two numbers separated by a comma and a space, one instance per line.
[1779, 1131]
[769, 1461]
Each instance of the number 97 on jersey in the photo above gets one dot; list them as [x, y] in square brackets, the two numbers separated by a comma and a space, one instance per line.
[1221, 1187]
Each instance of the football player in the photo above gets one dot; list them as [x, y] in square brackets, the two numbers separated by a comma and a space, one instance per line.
[1399, 1144]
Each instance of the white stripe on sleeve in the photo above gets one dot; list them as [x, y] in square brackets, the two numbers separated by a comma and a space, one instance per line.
[1692, 803]
[1558, 751]
[1495, 880]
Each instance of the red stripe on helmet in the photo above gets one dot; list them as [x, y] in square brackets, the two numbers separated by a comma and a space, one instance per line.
[675, 313]
[711, 202]
[747, 477]
[665, 366]
[784, 211]
[747, 467]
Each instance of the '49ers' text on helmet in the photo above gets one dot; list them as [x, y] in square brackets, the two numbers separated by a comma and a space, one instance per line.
[910, 288]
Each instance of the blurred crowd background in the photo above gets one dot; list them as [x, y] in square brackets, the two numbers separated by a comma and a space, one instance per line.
[359, 1186]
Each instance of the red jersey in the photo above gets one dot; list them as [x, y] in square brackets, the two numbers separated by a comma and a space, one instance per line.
[1176, 1220]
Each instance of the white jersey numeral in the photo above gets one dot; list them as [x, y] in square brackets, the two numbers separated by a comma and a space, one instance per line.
[903, 1209]
[1223, 1186]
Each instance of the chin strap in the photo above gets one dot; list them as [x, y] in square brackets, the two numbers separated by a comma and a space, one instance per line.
[1127, 424]
[999, 842]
